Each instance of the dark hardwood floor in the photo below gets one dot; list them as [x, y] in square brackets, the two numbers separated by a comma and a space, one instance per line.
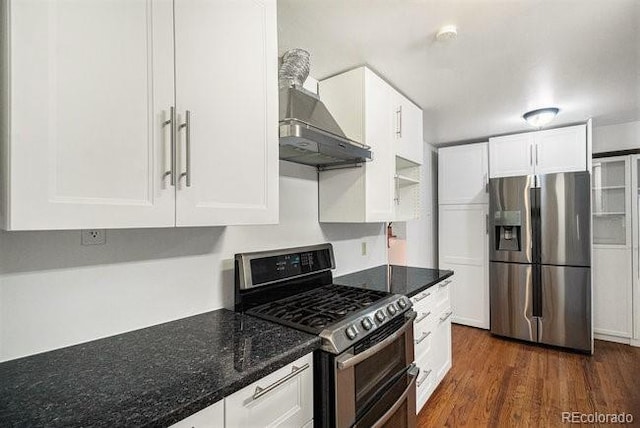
[496, 382]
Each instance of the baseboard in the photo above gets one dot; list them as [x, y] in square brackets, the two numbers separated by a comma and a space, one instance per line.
[469, 322]
[611, 338]
[635, 342]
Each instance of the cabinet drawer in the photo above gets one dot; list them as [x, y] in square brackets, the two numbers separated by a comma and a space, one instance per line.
[283, 398]
[426, 382]
[423, 340]
[441, 295]
[422, 302]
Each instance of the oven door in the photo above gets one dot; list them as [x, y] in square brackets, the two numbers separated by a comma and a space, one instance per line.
[375, 380]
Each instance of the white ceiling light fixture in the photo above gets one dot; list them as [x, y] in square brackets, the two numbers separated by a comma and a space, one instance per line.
[541, 116]
[447, 33]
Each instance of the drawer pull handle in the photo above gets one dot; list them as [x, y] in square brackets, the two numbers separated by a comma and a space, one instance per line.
[422, 296]
[445, 283]
[421, 381]
[423, 337]
[444, 318]
[423, 317]
[294, 372]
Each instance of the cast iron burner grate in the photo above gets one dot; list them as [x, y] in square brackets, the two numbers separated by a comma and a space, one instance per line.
[314, 310]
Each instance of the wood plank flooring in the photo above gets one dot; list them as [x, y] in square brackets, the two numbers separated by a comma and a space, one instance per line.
[496, 382]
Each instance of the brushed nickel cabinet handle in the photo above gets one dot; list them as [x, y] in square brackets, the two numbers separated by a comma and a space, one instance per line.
[444, 318]
[531, 155]
[400, 121]
[444, 283]
[422, 296]
[294, 372]
[422, 317]
[187, 126]
[422, 338]
[171, 121]
[421, 381]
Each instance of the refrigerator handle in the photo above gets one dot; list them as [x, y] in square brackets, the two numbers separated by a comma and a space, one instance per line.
[578, 226]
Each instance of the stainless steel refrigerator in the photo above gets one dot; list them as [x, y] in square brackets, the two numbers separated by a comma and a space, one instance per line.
[540, 259]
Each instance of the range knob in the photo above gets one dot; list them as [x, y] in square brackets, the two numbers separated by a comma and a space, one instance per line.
[351, 332]
[380, 315]
[392, 309]
[367, 324]
[402, 304]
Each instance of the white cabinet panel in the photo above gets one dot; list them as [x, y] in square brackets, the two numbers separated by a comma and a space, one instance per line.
[290, 404]
[210, 417]
[464, 249]
[91, 84]
[226, 77]
[407, 128]
[463, 174]
[561, 150]
[612, 292]
[511, 155]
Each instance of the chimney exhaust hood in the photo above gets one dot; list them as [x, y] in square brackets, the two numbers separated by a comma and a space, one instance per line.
[308, 133]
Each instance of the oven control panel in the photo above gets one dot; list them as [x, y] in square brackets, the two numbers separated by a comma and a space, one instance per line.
[354, 329]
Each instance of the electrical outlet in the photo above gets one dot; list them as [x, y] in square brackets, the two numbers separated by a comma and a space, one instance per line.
[364, 248]
[94, 237]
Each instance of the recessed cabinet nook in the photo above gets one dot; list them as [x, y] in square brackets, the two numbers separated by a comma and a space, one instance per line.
[371, 112]
[137, 124]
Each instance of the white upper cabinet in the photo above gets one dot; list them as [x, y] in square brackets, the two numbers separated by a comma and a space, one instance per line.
[87, 93]
[407, 128]
[91, 83]
[511, 155]
[542, 152]
[463, 174]
[226, 78]
[386, 188]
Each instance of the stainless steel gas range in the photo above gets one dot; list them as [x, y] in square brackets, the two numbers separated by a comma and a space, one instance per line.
[364, 374]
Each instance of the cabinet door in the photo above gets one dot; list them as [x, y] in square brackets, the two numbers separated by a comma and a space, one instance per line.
[288, 404]
[511, 155]
[210, 417]
[226, 78]
[380, 182]
[612, 291]
[561, 150]
[464, 249]
[407, 128]
[463, 174]
[442, 345]
[91, 85]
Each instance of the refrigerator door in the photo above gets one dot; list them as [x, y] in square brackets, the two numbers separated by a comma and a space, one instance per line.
[510, 219]
[565, 216]
[511, 287]
[566, 307]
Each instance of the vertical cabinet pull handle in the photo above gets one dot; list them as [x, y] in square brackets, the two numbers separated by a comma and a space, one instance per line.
[171, 121]
[187, 126]
[536, 155]
[531, 155]
[486, 223]
[400, 121]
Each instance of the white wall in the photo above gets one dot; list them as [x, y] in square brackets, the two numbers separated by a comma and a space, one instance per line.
[420, 234]
[55, 292]
[623, 136]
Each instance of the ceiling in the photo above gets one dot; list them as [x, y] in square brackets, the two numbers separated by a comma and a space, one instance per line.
[510, 56]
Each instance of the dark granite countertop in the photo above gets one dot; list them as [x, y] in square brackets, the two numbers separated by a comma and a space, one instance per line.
[150, 377]
[396, 279]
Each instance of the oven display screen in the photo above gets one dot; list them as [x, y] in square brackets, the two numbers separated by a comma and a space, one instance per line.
[269, 269]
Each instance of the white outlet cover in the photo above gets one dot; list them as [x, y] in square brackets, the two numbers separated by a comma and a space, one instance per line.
[94, 237]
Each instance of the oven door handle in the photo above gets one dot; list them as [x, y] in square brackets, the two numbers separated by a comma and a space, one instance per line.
[413, 372]
[347, 360]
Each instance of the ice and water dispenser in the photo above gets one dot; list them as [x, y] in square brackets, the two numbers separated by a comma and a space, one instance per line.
[508, 230]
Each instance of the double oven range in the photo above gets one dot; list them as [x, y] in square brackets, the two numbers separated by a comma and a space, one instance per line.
[364, 375]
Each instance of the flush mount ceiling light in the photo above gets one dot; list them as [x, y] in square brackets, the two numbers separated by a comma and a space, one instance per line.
[541, 116]
[446, 33]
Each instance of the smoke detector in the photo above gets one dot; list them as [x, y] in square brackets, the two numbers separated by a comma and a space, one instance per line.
[446, 33]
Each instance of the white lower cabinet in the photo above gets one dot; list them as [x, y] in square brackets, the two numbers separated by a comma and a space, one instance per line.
[283, 398]
[432, 339]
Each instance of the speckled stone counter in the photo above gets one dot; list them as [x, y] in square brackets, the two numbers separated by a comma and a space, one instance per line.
[150, 377]
[396, 279]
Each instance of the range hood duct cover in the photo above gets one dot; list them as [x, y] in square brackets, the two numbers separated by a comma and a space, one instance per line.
[308, 133]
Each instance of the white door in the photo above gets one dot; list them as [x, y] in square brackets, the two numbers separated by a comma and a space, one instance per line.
[511, 155]
[407, 128]
[91, 85]
[379, 135]
[226, 78]
[561, 150]
[463, 174]
[464, 249]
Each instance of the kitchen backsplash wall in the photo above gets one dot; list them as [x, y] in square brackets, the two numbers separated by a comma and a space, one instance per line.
[55, 292]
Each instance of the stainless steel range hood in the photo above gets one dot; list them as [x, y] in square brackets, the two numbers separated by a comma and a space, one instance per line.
[308, 133]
